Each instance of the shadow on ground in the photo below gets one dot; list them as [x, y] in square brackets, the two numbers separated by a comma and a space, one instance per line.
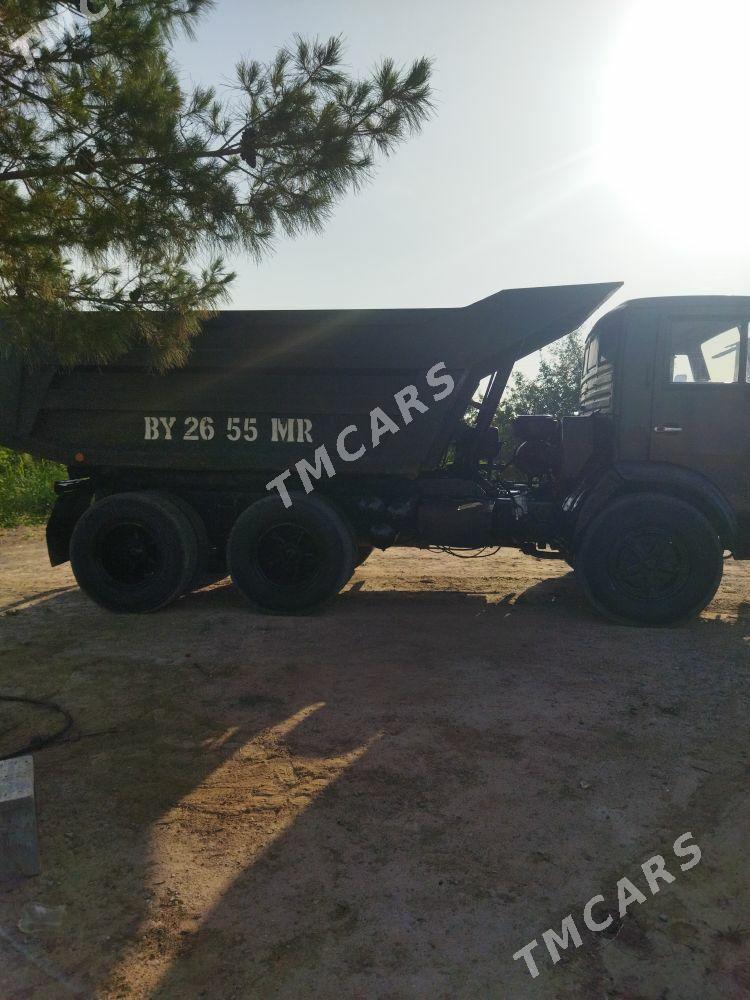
[385, 799]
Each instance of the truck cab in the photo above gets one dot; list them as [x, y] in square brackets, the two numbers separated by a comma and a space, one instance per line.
[652, 475]
[671, 375]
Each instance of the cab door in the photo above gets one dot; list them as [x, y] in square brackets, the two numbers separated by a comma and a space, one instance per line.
[701, 401]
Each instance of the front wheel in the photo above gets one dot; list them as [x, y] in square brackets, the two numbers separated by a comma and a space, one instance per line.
[291, 560]
[650, 560]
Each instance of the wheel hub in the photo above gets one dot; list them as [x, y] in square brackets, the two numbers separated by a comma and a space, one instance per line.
[288, 555]
[650, 564]
[130, 554]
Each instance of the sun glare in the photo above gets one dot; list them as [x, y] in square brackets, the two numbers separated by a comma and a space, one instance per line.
[677, 139]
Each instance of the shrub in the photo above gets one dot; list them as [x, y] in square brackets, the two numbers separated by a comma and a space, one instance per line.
[26, 495]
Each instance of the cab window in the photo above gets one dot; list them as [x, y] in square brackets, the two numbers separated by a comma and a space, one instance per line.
[706, 351]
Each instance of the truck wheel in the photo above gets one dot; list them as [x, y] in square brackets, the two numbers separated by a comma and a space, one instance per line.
[133, 552]
[290, 560]
[650, 560]
[203, 546]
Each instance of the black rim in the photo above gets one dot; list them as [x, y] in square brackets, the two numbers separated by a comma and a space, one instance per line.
[288, 555]
[649, 564]
[129, 554]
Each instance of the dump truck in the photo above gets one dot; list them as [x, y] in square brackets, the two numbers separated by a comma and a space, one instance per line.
[294, 442]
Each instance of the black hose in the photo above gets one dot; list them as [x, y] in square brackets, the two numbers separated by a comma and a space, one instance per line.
[39, 742]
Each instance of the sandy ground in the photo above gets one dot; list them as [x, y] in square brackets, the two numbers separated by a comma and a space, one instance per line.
[387, 799]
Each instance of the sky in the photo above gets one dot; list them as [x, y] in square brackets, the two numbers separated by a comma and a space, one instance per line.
[573, 141]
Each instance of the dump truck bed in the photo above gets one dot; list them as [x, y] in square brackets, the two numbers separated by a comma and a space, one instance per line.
[263, 389]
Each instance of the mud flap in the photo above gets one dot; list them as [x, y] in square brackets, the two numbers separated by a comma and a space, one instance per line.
[73, 497]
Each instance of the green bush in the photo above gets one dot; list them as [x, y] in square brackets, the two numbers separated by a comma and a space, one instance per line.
[26, 495]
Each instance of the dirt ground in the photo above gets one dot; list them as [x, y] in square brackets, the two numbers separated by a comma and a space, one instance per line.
[387, 799]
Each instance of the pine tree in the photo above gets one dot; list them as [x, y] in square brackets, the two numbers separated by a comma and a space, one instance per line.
[121, 194]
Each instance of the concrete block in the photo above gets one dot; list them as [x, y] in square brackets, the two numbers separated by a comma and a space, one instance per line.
[19, 845]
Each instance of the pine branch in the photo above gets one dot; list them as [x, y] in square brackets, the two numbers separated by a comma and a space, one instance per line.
[67, 169]
[107, 162]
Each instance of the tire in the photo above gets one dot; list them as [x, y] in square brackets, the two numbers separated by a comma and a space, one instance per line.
[649, 559]
[363, 553]
[202, 574]
[133, 552]
[290, 560]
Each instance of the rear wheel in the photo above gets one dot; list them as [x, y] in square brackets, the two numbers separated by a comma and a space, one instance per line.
[651, 560]
[203, 573]
[133, 552]
[290, 560]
